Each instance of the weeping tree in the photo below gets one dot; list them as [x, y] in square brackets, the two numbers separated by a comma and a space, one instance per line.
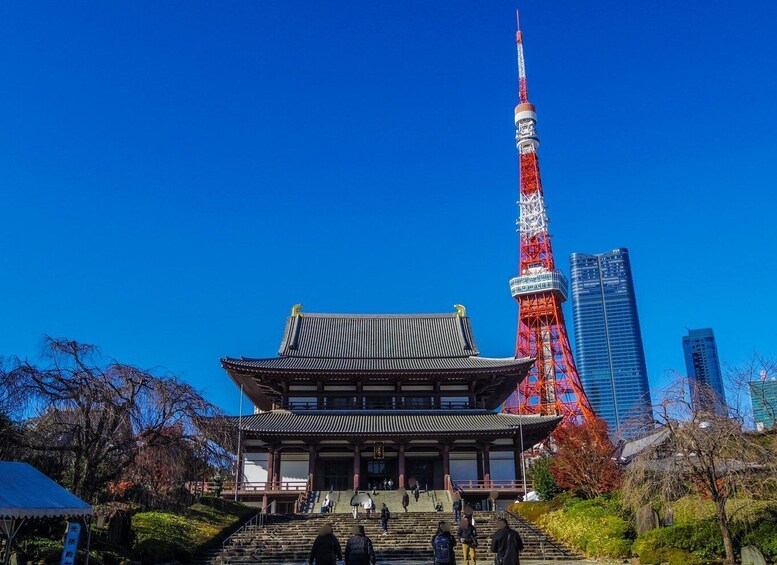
[92, 422]
[700, 452]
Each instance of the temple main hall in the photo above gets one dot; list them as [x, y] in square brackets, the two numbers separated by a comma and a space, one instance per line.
[351, 401]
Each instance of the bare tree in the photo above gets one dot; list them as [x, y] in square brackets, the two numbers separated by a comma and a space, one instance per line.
[10, 406]
[90, 418]
[702, 452]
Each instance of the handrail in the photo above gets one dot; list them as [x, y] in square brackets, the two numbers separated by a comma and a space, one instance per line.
[533, 529]
[257, 520]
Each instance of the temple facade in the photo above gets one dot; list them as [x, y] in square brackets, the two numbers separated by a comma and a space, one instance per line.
[353, 400]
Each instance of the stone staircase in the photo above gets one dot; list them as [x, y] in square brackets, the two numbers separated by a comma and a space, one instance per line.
[286, 539]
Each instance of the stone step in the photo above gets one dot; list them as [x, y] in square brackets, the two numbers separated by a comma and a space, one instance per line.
[287, 538]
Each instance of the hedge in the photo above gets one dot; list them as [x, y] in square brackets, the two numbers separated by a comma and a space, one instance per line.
[594, 527]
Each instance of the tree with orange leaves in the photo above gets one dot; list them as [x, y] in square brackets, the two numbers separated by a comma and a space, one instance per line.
[583, 461]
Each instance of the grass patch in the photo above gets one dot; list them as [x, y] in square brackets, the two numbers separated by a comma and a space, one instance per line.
[164, 536]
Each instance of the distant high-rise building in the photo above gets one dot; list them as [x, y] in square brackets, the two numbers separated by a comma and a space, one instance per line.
[608, 340]
[763, 395]
[703, 367]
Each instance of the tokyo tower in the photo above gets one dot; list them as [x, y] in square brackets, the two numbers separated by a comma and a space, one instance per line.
[553, 385]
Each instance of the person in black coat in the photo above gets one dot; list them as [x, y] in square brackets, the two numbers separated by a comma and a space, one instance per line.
[359, 550]
[506, 544]
[385, 516]
[405, 500]
[326, 549]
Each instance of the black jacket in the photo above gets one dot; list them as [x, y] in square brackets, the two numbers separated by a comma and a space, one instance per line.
[385, 514]
[507, 544]
[325, 551]
[359, 551]
[452, 541]
[467, 534]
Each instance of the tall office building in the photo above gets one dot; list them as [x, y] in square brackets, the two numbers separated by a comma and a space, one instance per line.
[608, 340]
[704, 376]
[763, 395]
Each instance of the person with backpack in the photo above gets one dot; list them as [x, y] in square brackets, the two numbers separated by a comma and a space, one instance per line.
[385, 516]
[468, 536]
[405, 500]
[326, 549]
[506, 544]
[359, 550]
[443, 544]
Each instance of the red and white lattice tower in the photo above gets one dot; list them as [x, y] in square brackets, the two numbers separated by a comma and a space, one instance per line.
[553, 385]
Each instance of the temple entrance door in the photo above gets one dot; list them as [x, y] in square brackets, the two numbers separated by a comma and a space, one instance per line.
[337, 474]
[421, 470]
[377, 471]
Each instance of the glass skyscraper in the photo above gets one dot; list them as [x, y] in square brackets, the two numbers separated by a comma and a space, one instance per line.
[703, 368]
[608, 340]
[763, 395]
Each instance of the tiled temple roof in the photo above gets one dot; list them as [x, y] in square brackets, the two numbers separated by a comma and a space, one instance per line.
[370, 336]
[382, 423]
[378, 365]
[343, 347]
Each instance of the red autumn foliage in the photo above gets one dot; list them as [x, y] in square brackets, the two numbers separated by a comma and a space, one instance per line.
[583, 461]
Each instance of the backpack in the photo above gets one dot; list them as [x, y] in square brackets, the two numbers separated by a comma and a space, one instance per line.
[442, 549]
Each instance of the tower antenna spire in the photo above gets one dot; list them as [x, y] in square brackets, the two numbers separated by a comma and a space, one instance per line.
[523, 93]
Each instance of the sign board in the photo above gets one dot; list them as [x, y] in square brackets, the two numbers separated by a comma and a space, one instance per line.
[379, 450]
[71, 543]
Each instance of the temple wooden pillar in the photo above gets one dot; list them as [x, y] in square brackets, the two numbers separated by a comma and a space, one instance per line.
[487, 464]
[357, 464]
[270, 471]
[401, 459]
[518, 454]
[479, 461]
[446, 465]
[312, 458]
[276, 473]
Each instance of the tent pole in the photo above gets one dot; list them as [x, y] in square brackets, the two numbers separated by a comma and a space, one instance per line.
[11, 532]
[88, 538]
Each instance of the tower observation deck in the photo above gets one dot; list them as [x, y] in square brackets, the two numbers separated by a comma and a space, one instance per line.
[553, 385]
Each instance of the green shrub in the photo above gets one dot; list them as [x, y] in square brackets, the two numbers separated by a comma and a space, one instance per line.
[38, 549]
[591, 526]
[702, 539]
[764, 537]
[164, 536]
[691, 509]
[543, 479]
[533, 511]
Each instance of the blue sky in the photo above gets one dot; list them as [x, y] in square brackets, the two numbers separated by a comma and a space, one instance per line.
[174, 176]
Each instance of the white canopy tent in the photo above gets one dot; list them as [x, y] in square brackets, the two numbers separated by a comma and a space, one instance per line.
[27, 493]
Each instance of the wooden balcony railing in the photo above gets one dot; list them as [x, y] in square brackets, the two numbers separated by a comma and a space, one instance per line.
[492, 485]
[247, 487]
